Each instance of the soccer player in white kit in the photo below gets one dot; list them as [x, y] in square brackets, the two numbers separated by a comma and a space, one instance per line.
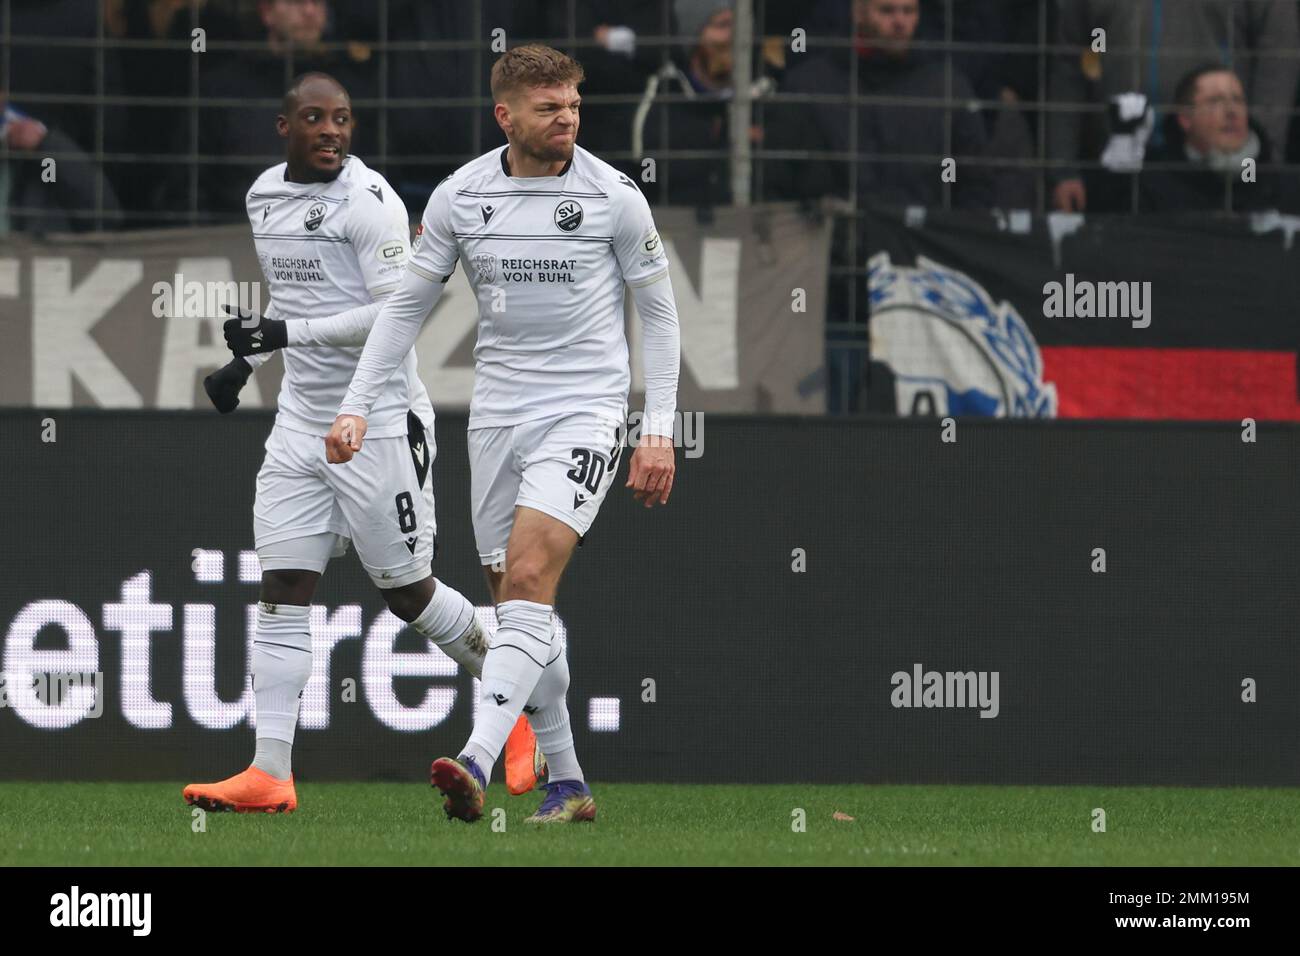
[549, 237]
[331, 234]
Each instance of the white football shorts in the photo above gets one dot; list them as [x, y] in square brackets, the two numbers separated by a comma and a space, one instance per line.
[562, 467]
[382, 500]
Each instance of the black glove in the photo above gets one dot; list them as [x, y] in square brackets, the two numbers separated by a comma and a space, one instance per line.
[224, 384]
[249, 333]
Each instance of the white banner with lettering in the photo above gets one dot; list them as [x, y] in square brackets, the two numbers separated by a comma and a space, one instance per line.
[133, 320]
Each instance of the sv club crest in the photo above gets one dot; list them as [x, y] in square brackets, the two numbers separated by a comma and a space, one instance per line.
[315, 216]
[568, 215]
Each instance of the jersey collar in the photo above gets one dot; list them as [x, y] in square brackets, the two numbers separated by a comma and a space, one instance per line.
[317, 185]
[505, 168]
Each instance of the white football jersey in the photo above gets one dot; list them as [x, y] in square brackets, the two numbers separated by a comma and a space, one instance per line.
[547, 257]
[326, 248]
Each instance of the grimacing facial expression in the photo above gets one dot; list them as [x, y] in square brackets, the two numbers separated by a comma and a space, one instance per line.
[543, 121]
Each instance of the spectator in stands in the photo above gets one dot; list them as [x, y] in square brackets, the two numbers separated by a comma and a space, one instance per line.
[152, 184]
[1010, 78]
[425, 143]
[295, 34]
[618, 62]
[1208, 139]
[888, 70]
[29, 200]
[981, 32]
[974, 25]
[700, 122]
[419, 161]
[64, 71]
[1258, 36]
[890, 133]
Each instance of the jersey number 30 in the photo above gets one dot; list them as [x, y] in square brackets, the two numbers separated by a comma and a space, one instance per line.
[588, 471]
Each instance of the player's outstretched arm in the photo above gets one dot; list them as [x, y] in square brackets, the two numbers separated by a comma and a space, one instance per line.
[653, 466]
[397, 326]
[644, 265]
[251, 334]
[393, 336]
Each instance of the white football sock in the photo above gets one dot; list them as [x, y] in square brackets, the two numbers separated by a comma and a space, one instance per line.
[449, 622]
[281, 667]
[513, 665]
[274, 757]
[548, 712]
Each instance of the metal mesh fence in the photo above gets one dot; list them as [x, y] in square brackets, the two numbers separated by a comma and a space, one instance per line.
[106, 69]
[160, 112]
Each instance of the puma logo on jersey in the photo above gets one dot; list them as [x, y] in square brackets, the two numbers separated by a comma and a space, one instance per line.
[376, 192]
[487, 213]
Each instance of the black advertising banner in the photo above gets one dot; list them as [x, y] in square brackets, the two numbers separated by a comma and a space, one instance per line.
[822, 601]
[1009, 314]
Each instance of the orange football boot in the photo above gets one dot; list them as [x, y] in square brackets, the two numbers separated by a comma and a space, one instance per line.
[525, 764]
[253, 791]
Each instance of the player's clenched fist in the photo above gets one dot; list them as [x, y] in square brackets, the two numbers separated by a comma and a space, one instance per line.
[224, 384]
[651, 471]
[249, 333]
[344, 439]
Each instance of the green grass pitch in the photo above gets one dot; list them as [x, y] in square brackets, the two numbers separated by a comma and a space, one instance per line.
[396, 824]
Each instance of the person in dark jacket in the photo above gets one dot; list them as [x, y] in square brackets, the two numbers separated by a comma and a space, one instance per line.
[890, 134]
[617, 63]
[1210, 147]
[691, 112]
[1150, 45]
[239, 136]
[30, 201]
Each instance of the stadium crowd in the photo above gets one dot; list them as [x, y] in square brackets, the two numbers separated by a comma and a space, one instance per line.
[1161, 124]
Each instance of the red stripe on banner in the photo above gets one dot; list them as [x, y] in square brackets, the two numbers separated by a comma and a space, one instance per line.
[1202, 384]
